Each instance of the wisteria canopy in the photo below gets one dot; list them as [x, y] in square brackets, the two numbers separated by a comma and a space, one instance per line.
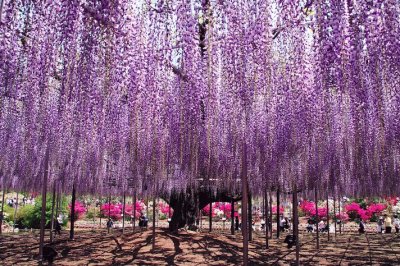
[156, 95]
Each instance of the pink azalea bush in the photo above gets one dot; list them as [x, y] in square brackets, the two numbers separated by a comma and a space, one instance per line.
[275, 208]
[376, 208]
[218, 209]
[80, 210]
[115, 210]
[342, 216]
[392, 200]
[165, 208]
[354, 210]
[308, 208]
[140, 206]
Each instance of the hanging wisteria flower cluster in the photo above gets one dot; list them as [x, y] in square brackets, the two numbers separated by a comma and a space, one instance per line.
[155, 95]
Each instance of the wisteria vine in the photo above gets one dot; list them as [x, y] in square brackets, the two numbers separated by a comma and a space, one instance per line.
[158, 95]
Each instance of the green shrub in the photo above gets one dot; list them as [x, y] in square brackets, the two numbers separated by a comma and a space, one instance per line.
[28, 216]
[92, 213]
[25, 217]
[8, 213]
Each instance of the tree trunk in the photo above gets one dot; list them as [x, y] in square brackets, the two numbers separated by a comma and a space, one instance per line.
[184, 205]
[72, 232]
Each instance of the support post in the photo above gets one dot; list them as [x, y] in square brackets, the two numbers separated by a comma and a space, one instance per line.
[134, 211]
[340, 215]
[316, 214]
[58, 199]
[266, 219]
[278, 231]
[123, 213]
[270, 214]
[327, 215]
[72, 232]
[53, 202]
[210, 218]
[15, 213]
[43, 213]
[250, 218]
[2, 210]
[153, 244]
[100, 213]
[109, 212]
[296, 223]
[232, 217]
[334, 213]
[245, 198]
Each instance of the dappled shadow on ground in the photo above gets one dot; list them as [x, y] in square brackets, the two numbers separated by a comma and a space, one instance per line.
[190, 248]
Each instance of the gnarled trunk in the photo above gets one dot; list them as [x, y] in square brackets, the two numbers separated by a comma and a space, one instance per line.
[186, 204]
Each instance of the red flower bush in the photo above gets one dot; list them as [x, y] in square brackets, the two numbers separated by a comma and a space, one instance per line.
[165, 208]
[80, 210]
[308, 208]
[342, 216]
[275, 208]
[376, 208]
[354, 210]
[353, 207]
[218, 209]
[116, 210]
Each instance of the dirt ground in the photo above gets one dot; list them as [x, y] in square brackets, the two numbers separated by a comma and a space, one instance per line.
[96, 247]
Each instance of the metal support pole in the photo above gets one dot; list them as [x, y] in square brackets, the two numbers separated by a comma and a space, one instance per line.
[109, 212]
[2, 210]
[334, 213]
[316, 214]
[134, 211]
[327, 215]
[123, 214]
[245, 198]
[72, 229]
[250, 218]
[43, 213]
[266, 219]
[15, 213]
[210, 218]
[277, 213]
[232, 217]
[53, 202]
[296, 223]
[154, 225]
